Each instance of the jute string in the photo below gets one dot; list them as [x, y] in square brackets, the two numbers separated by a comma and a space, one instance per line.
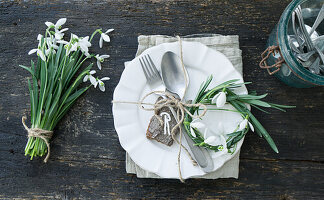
[173, 103]
[45, 135]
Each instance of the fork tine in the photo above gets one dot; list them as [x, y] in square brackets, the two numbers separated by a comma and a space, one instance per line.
[144, 69]
[153, 67]
[150, 67]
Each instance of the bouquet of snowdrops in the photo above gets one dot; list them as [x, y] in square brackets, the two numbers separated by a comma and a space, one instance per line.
[56, 78]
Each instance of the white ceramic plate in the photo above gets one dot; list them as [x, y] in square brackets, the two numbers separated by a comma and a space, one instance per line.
[131, 122]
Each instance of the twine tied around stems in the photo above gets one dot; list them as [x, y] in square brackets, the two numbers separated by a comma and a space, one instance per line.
[173, 103]
[45, 135]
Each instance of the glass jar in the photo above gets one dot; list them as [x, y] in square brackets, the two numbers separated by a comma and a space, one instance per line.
[279, 59]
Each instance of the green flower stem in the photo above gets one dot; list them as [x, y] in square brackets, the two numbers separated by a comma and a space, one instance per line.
[52, 92]
[94, 33]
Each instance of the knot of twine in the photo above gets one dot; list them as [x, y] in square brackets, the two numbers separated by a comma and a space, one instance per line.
[181, 109]
[45, 135]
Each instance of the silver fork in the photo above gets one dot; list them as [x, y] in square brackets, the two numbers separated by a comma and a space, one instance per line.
[156, 83]
[151, 73]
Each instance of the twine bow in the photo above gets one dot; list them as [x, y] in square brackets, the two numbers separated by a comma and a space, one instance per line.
[45, 135]
[181, 109]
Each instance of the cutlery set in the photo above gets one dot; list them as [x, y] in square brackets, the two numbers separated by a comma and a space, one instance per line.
[306, 43]
[172, 80]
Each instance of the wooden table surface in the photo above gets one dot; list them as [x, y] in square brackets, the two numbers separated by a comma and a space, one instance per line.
[87, 161]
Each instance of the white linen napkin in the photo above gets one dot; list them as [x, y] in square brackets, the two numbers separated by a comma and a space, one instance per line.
[229, 46]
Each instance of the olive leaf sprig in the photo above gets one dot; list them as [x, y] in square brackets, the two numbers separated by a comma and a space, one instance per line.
[220, 95]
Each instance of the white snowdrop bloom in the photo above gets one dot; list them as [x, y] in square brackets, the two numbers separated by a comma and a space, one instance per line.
[51, 45]
[244, 124]
[39, 51]
[59, 33]
[58, 25]
[104, 37]
[219, 99]
[196, 124]
[251, 126]
[76, 42]
[216, 138]
[92, 79]
[101, 83]
[101, 59]
[62, 42]
[210, 140]
[84, 45]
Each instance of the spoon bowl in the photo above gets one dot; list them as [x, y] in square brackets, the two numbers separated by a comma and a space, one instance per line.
[174, 76]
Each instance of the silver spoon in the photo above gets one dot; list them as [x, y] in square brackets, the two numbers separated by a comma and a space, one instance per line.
[318, 20]
[173, 75]
[174, 81]
[293, 43]
[305, 56]
[318, 39]
[314, 68]
[297, 38]
[303, 31]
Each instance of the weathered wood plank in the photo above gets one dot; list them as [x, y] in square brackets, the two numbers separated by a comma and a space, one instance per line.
[87, 160]
[102, 178]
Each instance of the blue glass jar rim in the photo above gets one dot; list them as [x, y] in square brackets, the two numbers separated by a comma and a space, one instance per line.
[286, 52]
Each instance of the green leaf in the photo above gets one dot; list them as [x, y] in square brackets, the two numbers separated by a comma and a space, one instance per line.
[257, 107]
[256, 102]
[234, 134]
[32, 105]
[251, 97]
[68, 105]
[281, 106]
[28, 69]
[76, 94]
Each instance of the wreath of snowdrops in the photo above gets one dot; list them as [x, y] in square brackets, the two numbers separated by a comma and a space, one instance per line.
[56, 78]
[217, 97]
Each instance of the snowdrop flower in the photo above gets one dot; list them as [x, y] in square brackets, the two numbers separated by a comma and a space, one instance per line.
[58, 24]
[62, 42]
[39, 53]
[195, 124]
[51, 42]
[104, 37]
[38, 50]
[216, 139]
[101, 83]
[92, 79]
[210, 140]
[51, 45]
[244, 124]
[59, 33]
[101, 59]
[84, 45]
[219, 99]
[76, 42]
